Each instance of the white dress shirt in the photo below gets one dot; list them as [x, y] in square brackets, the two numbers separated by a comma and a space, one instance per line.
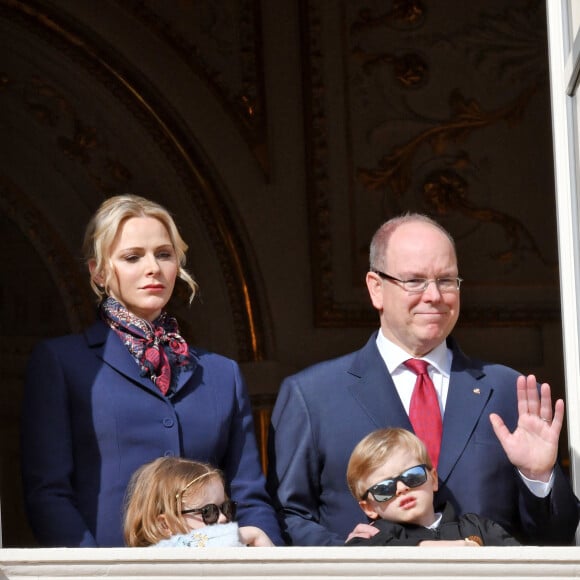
[439, 360]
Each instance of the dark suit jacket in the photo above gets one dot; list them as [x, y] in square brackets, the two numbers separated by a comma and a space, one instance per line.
[89, 420]
[451, 527]
[322, 412]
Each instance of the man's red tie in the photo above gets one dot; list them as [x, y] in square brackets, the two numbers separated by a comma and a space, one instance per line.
[424, 412]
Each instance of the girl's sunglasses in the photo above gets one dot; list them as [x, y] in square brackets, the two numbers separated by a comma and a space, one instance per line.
[210, 513]
[387, 489]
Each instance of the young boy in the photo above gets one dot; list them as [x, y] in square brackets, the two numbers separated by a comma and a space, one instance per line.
[392, 478]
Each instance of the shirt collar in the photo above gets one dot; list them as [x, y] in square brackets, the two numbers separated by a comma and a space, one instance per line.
[394, 356]
[435, 524]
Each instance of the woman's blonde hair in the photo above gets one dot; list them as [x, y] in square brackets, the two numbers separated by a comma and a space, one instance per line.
[104, 227]
[372, 452]
[155, 490]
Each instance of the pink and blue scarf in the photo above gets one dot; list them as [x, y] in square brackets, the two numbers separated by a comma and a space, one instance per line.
[157, 346]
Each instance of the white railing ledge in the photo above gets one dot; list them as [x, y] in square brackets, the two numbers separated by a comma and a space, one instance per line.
[291, 562]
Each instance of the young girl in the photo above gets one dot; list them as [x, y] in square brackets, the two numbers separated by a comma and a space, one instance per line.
[173, 501]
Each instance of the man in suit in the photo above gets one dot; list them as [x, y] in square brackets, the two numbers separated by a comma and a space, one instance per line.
[498, 454]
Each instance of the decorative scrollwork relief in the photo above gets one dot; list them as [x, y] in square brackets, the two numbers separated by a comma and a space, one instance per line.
[221, 43]
[404, 64]
[78, 136]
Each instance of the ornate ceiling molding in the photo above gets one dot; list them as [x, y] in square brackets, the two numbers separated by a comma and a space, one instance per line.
[383, 149]
[221, 42]
[135, 95]
[68, 278]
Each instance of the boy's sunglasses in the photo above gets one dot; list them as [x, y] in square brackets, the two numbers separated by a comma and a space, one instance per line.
[210, 513]
[387, 489]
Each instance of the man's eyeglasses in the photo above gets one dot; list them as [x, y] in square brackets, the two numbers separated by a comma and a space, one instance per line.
[210, 513]
[387, 489]
[418, 285]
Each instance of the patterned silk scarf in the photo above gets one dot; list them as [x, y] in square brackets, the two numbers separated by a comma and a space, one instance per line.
[157, 346]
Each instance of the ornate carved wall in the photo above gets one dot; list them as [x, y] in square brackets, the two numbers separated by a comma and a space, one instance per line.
[280, 134]
[81, 122]
[441, 108]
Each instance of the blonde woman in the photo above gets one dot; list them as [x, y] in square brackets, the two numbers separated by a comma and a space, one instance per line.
[129, 389]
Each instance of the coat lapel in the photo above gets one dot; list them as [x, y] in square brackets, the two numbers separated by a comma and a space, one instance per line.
[185, 375]
[109, 348]
[374, 390]
[466, 401]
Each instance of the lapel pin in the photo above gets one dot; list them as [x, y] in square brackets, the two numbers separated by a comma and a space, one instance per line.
[477, 391]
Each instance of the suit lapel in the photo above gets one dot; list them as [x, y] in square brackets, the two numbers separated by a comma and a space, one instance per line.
[466, 400]
[374, 390]
[185, 375]
[109, 348]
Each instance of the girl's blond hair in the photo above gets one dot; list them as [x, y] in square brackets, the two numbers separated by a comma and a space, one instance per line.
[155, 490]
[104, 227]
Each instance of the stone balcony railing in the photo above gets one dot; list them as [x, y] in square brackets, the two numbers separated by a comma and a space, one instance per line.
[296, 562]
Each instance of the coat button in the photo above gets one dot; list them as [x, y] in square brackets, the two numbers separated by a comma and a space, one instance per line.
[168, 422]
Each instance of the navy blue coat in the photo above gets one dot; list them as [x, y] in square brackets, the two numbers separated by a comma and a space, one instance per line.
[321, 413]
[89, 420]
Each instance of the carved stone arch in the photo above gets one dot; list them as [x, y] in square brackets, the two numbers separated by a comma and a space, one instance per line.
[79, 122]
[84, 141]
[67, 274]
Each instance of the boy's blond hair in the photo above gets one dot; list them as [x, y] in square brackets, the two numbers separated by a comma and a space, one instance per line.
[156, 489]
[372, 452]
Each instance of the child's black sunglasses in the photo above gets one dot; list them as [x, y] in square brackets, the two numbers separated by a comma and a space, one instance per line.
[387, 489]
[210, 513]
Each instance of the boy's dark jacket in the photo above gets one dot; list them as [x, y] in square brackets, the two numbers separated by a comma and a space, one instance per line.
[450, 528]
